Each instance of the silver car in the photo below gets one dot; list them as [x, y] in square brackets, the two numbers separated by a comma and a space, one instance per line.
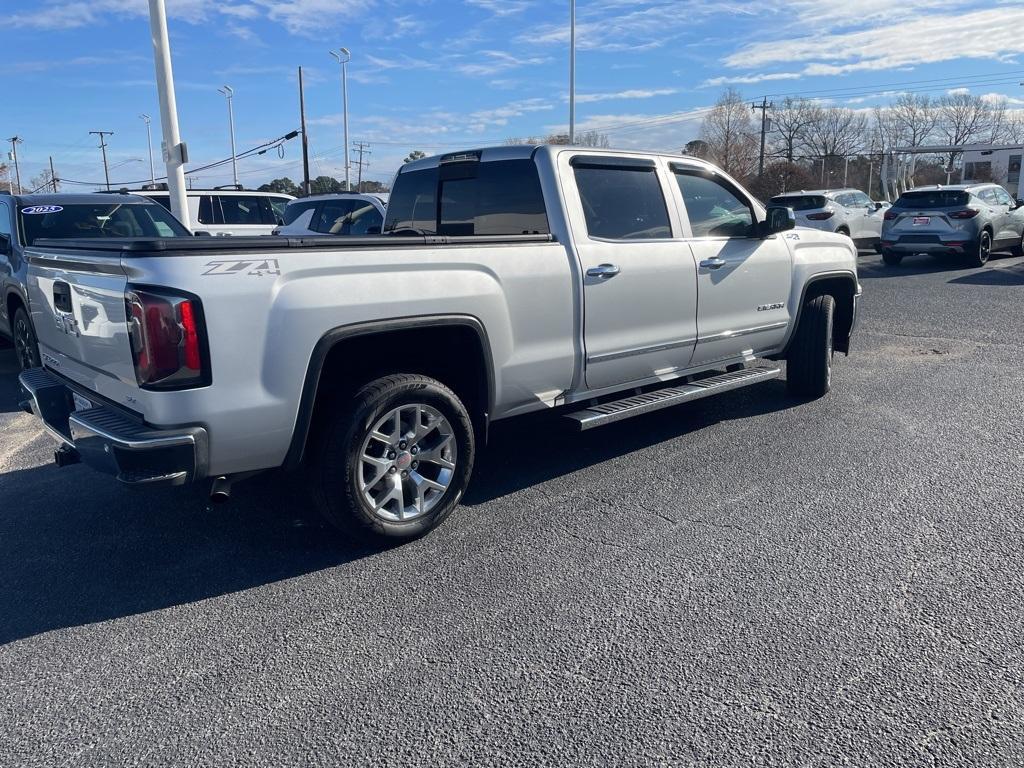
[847, 212]
[345, 213]
[967, 220]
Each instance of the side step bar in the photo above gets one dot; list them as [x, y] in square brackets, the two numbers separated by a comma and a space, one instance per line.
[628, 407]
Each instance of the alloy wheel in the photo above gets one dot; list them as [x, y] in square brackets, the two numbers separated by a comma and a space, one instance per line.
[407, 462]
[24, 346]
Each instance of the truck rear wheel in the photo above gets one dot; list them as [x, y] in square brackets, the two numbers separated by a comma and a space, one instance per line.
[25, 345]
[809, 361]
[395, 459]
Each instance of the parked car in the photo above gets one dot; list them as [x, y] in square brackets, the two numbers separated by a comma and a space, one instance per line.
[235, 212]
[27, 218]
[847, 212]
[338, 214]
[593, 283]
[967, 220]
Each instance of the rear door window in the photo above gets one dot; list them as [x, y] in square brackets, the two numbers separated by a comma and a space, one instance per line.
[209, 210]
[241, 210]
[621, 201]
[5, 220]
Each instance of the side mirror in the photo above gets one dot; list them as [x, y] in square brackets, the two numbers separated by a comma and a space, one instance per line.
[5, 244]
[1018, 203]
[200, 233]
[878, 206]
[778, 218]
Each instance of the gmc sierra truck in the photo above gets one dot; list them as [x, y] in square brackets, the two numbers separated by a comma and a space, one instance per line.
[596, 284]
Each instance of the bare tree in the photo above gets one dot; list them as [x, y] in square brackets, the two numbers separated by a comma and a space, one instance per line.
[5, 178]
[586, 139]
[838, 134]
[789, 126]
[728, 132]
[915, 116]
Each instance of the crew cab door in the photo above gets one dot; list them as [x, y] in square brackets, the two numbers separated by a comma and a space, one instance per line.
[639, 284]
[743, 279]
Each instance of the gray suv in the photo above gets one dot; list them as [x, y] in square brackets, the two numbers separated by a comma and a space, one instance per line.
[967, 220]
[847, 212]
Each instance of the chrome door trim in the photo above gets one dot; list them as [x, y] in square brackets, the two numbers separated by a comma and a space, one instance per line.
[609, 356]
[743, 332]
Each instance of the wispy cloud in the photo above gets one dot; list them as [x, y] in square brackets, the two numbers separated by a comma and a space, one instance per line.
[492, 63]
[635, 93]
[501, 7]
[749, 79]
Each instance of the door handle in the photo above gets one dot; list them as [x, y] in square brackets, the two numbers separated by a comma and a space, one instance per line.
[715, 263]
[603, 271]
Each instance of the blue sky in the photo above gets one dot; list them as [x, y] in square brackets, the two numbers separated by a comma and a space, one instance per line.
[441, 74]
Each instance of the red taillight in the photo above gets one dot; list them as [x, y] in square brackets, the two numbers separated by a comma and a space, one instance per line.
[824, 215]
[165, 331]
[966, 213]
[890, 215]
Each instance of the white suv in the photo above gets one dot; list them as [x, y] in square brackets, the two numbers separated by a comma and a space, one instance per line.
[848, 212]
[236, 212]
[343, 213]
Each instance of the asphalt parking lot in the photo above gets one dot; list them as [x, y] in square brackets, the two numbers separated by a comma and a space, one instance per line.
[746, 580]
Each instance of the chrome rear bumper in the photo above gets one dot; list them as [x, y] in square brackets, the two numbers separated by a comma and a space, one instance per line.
[111, 440]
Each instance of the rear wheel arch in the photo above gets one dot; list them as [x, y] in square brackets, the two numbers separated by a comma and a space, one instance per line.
[454, 349]
[12, 301]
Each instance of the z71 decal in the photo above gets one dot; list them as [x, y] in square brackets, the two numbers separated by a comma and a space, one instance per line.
[252, 267]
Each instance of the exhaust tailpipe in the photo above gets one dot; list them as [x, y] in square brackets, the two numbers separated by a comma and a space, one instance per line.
[220, 491]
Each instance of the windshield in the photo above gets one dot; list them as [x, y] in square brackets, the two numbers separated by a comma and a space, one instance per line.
[935, 198]
[800, 202]
[98, 220]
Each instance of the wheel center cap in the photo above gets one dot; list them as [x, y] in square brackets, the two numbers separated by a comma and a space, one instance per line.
[404, 460]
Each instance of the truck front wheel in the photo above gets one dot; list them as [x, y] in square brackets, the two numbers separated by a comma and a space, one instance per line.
[395, 459]
[809, 361]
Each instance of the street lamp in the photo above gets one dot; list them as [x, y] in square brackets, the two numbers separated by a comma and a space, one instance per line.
[229, 93]
[572, 71]
[344, 56]
[149, 140]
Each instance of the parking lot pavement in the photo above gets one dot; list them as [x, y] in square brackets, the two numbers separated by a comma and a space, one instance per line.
[744, 581]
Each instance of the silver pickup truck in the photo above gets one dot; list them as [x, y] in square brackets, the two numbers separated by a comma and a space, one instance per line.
[595, 284]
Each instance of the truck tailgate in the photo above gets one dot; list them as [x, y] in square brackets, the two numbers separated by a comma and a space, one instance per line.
[78, 309]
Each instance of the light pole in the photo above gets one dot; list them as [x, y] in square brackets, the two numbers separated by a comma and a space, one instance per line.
[229, 93]
[572, 71]
[149, 140]
[15, 141]
[344, 56]
[175, 153]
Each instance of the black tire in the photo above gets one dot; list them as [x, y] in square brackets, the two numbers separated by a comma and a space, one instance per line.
[892, 259]
[982, 250]
[26, 346]
[843, 231]
[809, 360]
[337, 459]
[1018, 249]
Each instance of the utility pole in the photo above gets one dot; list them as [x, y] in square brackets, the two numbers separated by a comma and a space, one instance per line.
[305, 139]
[764, 106]
[572, 71]
[103, 149]
[149, 141]
[175, 152]
[53, 176]
[229, 93]
[15, 141]
[362, 148]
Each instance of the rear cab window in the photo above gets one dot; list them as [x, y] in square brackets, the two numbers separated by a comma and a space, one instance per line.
[99, 220]
[466, 196]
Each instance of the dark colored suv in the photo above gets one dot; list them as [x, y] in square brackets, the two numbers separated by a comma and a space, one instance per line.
[27, 218]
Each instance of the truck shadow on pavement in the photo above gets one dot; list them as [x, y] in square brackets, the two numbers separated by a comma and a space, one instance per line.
[78, 548]
[1005, 276]
[870, 268]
